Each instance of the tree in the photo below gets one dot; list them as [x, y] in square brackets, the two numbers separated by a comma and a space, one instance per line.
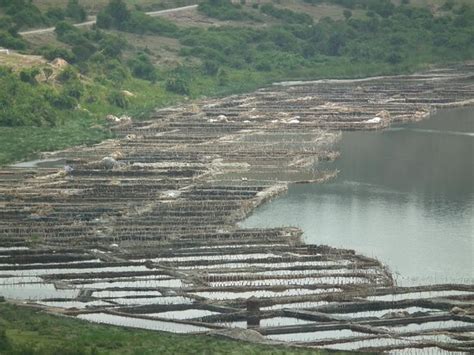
[75, 11]
[115, 14]
[55, 14]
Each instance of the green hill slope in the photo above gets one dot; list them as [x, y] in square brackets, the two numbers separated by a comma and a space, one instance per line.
[129, 62]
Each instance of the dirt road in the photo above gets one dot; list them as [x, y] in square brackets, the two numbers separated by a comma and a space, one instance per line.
[93, 20]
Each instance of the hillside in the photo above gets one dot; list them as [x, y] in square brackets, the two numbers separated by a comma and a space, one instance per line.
[129, 62]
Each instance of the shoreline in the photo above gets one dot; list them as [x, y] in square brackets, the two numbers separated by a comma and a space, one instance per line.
[166, 196]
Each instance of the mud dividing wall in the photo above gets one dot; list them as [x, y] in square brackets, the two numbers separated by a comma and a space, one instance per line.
[142, 230]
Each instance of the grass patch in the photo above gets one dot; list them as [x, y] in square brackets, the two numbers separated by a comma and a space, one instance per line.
[26, 331]
[19, 143]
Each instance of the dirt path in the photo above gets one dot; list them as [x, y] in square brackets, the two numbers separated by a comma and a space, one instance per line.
[92, 20]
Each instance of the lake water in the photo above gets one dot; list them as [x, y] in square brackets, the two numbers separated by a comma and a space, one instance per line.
[404, 196]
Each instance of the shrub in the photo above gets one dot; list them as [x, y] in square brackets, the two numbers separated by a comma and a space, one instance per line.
[118, 75]
[448, 5]
[115, 14]
[177, 85]
[24, 13]
[55, 14]
[7, 40]
[142, 67]
[4, 341]
[111, 46]
[74, 89]
[140, 22]
[394, 58]
[104, 20]
[29, 76]
[179, 81]
[210, 67]
[68, 74]
[225, 10]
[64, 27]
[51, 53]
[21, 104]
[117, 98]
[75, 11]
[286, 15]
[61, 100]
[84, 51]
[222, 77]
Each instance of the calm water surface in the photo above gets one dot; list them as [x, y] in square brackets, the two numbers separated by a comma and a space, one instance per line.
[404, 196]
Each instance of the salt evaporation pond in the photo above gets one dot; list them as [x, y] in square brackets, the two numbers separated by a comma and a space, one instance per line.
[404, 195]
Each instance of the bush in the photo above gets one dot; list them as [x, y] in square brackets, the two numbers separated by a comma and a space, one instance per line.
[75, 11]
[210, 67]
[177, 85]
[448, 5]
[74, 89]
[84, 51]
[141, 23]
[286, 15]
[111, 46]
[63, 27]
[51, 53]
[55, 14]
[7, 40]
[4, 341]
[118, 75]
[225, 10]
[104, 20]
[117, 98]
[29, 76]
[115, 14]
[24, 13]
[179, 81]
[222, 77]
[61, 100]
[141, 67]
[22, 104]
[68, 74]
[394, 58]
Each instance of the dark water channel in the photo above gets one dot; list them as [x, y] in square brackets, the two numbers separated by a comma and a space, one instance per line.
[404, 196]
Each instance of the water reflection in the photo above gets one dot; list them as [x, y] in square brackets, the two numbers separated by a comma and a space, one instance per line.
[404, 195]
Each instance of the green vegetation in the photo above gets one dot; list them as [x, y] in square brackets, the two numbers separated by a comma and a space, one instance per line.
[108, 74]
[286, 15]
[384, 8]
[26, 331]
[225, 10]
[25, 14]
[116, 15]
[24, 104]
[26, 142]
